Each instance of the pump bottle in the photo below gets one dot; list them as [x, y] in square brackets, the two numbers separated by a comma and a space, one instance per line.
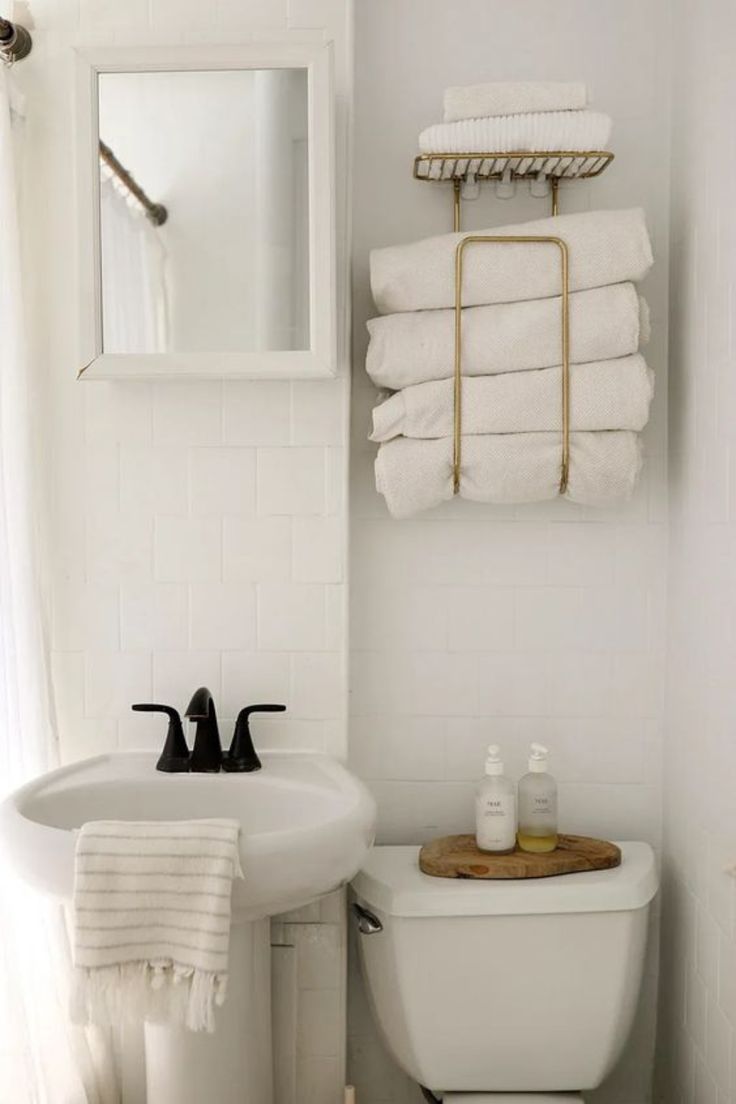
[537, 805]
[495, 808]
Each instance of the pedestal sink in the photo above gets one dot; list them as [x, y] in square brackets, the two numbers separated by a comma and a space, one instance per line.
[307, 825]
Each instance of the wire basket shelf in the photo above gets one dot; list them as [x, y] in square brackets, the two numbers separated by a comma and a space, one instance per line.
[555, 164]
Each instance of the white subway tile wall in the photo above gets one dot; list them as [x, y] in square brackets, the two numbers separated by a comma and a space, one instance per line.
[196, 531]
[308, 956]
[697, 1037]
[475, 624]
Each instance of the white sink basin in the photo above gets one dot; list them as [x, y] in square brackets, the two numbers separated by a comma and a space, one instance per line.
[307, 823]
[306, 828]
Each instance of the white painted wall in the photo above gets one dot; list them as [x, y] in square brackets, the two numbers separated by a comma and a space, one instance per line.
[475, 623]
[697, 1048]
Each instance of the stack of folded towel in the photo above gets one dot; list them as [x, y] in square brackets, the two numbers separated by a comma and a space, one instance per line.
[508, 117]
[512, 374]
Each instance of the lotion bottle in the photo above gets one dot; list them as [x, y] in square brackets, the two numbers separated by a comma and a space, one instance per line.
[495, 808]
[537, 805]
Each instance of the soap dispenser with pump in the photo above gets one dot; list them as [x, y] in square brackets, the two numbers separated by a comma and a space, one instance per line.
[537, 805]
[495, 808]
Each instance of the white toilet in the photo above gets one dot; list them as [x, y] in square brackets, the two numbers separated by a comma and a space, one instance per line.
[504, 991]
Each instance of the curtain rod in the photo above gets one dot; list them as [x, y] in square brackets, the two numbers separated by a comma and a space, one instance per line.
[15, 41]
[16, 44]
[156, 212]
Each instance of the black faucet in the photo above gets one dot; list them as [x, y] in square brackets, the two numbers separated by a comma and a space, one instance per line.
[207, 755]
[242, 755]
[207, 751]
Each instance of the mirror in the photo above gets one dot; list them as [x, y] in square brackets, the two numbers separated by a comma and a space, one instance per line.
[210, 214]
[211, 250]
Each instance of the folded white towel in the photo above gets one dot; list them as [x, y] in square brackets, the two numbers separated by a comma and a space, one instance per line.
[605, 247]
[607, 394]
[416, 346]
[507, 468]
[472, 101]
[152, 920]
[568, 131]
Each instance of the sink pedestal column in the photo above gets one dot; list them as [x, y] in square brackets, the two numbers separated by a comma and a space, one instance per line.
[234, 1065]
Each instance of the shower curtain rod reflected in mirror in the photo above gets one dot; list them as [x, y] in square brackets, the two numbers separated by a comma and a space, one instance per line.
[15, 41]
[155, 212]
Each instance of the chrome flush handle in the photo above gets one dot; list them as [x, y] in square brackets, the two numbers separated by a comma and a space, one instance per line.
[368, 922]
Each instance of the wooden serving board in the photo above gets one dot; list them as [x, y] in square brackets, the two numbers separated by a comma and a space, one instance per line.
[458, 857]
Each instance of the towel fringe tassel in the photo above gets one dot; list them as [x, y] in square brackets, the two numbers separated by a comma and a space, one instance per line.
[160, 991]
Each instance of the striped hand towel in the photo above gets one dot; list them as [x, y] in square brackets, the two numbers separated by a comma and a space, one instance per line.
[152, 906]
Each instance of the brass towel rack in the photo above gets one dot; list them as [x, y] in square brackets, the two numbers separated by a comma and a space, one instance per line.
[552, 166]
[517, 239]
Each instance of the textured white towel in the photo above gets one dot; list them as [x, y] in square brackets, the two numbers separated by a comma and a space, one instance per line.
[416, 346]
[472, 101]
[605, 247]
[566, 131]
[152, 920]
[507, 468]
[608, 394]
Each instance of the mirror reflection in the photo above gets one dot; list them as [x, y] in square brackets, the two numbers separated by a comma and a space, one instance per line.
[204, 211]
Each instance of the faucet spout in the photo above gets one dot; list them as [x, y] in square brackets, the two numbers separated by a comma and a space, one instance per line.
[206, 755]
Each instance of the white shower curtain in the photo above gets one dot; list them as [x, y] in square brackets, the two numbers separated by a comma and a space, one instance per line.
[42, 1059]
[134, 307]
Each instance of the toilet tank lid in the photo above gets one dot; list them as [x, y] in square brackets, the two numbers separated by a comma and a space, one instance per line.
[392, 882]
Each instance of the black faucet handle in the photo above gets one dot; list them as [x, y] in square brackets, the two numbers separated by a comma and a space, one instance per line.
[246, 712]
[175, 756]
[152, 707]
[242, 756]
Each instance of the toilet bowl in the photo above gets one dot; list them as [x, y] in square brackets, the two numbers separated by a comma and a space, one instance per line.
[503, 991]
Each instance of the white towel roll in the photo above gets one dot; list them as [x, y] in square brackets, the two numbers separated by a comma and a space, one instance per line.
[416, 346]
[507, 468]
[605, 247]
[608, 394]
[566, 131]
[472, 101]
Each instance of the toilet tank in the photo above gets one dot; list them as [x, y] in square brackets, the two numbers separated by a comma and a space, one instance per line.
[504, 986]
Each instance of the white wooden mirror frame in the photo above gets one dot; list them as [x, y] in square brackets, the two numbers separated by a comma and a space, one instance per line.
[320, 359]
